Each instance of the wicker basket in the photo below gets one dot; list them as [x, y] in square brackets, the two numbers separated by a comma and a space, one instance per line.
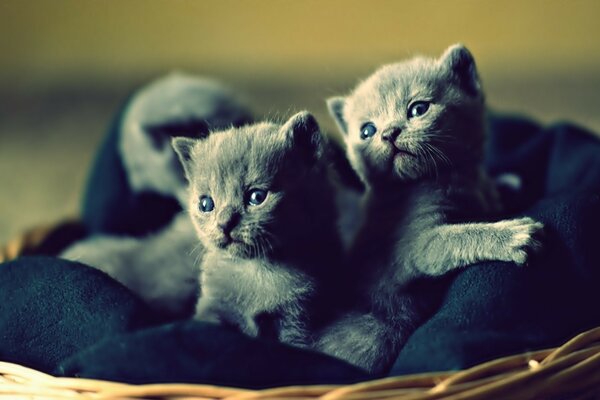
[571, 371]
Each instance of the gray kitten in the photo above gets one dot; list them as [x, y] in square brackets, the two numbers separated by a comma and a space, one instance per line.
[175, 105]
[263, 208]
[414, 133]
[162, 268]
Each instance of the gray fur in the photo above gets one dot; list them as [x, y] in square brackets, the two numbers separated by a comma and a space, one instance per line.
[425, 183]
[264, 264]
[174, 99]
[162, 269]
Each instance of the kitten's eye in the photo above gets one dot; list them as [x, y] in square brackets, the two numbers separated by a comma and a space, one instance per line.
[256, 197]
[417, 109]
[367, 130]
[206, 204]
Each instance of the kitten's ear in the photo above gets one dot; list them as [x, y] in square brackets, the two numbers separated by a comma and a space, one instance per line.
[461, 63]
[184, 146]
[303, 133]
[336, 109]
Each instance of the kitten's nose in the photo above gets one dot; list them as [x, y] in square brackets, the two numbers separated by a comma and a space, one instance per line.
[390, 134]
[227, 220]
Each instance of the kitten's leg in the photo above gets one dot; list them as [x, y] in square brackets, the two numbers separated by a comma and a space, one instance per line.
[206, 311]
[105, 253]
[447, 247]
[209, 309]
[362, 340]
[293, 330]
[161, 269]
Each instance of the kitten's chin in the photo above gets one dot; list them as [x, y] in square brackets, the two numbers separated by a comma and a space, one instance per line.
[227, 245]
[391, 163]
[405, 166]
[236, 249]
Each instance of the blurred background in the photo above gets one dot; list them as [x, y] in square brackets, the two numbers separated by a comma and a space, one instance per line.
[67, 65]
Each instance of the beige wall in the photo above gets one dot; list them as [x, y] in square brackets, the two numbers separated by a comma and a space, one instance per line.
[40, 38]
[66, 65]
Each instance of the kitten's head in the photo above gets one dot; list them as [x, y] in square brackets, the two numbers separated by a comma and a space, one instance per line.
[248, 185]
[175, 105]
[415, 119]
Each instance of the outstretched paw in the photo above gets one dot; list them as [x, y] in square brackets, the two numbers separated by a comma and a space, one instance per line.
[524, 240]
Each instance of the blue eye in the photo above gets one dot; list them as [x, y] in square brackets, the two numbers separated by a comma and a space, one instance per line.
[206, 204]
[367, 130]
[256, 197]
[417, 109]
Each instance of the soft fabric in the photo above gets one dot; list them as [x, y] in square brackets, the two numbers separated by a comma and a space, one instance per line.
[69, 319]
[50, 309]
[205, 353]
[495, 309]
[110, 206]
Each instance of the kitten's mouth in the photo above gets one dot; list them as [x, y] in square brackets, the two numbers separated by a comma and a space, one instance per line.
[402, 152]
[237, 248]
[227, 241]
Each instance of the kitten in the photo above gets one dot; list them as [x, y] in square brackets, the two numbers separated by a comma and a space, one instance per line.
[414, 133]
[175, 105]
[263, 208]
[161, 268]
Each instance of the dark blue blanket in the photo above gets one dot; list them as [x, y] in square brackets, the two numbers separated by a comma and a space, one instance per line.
[69, 319]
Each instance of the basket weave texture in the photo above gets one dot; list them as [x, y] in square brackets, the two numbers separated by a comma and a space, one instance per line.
[571, 371]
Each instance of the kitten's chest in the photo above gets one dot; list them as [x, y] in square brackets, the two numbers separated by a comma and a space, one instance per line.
[396, 228]
[255, 285]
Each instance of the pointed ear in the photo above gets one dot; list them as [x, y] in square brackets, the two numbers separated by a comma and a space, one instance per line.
[461, 64]
[336, 109]
[303, 133]
[184, 146]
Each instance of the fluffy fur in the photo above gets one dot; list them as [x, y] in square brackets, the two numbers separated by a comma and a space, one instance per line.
[414, 133]
[162, 268]
[175, 105]
[264, 264]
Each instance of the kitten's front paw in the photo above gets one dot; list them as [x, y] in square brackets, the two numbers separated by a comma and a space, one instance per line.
[524, 235]
[207, 314]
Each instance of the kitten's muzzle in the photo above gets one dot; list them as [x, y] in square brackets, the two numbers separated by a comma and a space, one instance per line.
[225, 240]
[391, 134]
[226, 237]
[227, 220]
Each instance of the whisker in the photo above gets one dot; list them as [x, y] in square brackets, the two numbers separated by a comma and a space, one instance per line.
[198, 250]
[433, 165]
[420, 150]
[441, 154]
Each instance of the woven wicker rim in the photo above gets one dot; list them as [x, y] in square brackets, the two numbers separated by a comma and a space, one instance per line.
[569, 371]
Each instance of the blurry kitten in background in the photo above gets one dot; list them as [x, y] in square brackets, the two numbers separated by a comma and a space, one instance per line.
[414, 133]
[161, 267]
[263, 208]
[175, 105]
